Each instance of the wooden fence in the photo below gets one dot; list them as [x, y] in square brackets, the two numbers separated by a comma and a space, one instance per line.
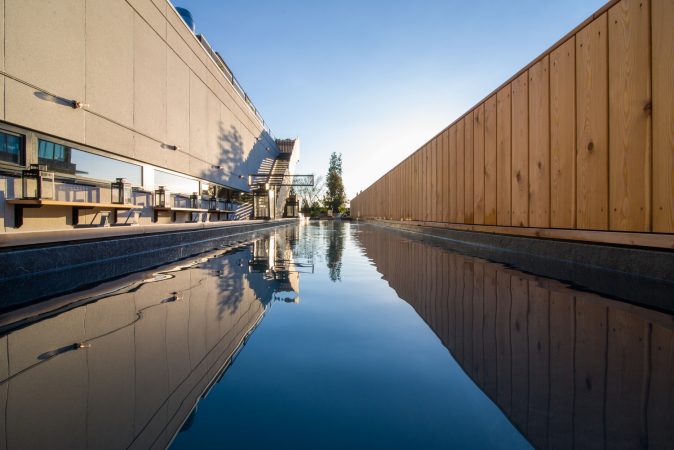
[580, 139]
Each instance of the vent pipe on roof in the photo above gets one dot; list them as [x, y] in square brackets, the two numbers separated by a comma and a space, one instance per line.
[187, 17]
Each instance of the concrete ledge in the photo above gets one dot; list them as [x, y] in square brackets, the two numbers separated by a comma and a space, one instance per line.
[639, 275]
[22, 238]
[30, 274]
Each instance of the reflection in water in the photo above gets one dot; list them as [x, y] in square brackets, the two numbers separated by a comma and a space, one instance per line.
[335, 249]
[569, 369]
[128, 369]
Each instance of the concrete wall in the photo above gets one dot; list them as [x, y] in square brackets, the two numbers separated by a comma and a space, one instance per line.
[580, 139]
[148, 84]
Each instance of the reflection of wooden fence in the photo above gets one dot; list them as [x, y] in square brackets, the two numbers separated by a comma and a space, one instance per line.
[567, 368]
[582, 138]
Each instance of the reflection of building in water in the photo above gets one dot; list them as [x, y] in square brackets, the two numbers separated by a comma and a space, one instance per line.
[128, 369]
[273, 259]
[569, 369]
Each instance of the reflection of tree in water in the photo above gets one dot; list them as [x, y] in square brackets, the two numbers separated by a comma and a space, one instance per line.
[230, 270]
[335, 240]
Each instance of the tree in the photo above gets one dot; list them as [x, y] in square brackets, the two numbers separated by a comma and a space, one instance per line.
[335, 196]
[311, 195]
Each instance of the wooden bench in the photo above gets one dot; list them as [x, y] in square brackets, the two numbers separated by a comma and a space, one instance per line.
[222, 211]
[20, 205]
[158, 209]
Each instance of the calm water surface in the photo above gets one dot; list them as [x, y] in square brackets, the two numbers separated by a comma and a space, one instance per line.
[332, 335]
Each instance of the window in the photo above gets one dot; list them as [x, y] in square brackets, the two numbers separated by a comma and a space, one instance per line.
[175, 183]
[11, 148]
[63, 159]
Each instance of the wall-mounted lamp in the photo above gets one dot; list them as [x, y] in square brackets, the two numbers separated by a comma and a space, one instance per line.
[240, 176]
[171, 147]
[79, 105]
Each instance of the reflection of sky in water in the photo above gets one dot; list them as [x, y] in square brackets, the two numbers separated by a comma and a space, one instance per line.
[350, 366]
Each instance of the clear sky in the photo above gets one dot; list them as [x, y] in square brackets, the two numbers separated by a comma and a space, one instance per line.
[375, 79]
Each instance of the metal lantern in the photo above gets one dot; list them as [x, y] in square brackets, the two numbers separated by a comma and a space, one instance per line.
[194, 200]
[162, 197]
[213, 203]
[121, 192]
[37, 183]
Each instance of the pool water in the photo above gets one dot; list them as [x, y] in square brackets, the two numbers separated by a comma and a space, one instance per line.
[337, 335]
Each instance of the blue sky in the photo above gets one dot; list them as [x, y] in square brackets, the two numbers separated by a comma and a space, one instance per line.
[375, 79]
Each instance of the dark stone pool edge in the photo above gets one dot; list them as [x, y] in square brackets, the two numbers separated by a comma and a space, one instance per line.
[639, 275]
[29, 275]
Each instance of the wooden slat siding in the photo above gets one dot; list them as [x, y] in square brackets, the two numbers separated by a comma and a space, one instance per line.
[478, 328]
[438, 177]
[539, 364]
[429, 180]
[663, 115]
[660, 412]
[519, 339]
[489, 338]
[444, 160]
[592, 126]
[539, 144]
[630, 116]
[434, 180]
[460, 170]
[478, 165]
[452, 175]
[503, 348]
[503, 156]
[626, 358]
[490, 161]
[562, 332]
[519, 212]
[563, 136]
[468, 172]
[590, 371]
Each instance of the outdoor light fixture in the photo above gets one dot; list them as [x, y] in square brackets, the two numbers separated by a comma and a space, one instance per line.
[194, 200]
[213, 203]
[121, 192]
[37, 183]
[79, 105]
[162, 197]
[216, 167]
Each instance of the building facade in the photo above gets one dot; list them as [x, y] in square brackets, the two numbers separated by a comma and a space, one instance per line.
[96, 90]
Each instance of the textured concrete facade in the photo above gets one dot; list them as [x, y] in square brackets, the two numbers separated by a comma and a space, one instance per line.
[147, 83]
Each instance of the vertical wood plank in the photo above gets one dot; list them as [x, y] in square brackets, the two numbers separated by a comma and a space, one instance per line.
[592, 125]
[563, 135]
[503, 156]
[460, 170]
[630, 115]
[468, 172]
[452, 174]
[438, 175]
[490, 161]
[539, 144]
[445, 176]
[478, 165]
[663, 115]
[519, 215]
